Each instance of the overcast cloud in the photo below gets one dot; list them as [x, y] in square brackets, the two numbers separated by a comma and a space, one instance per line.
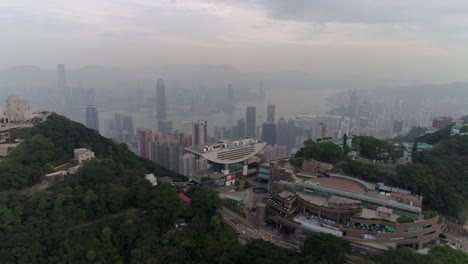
[422, 40]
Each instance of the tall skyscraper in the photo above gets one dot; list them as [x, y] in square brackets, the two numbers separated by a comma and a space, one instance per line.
[200, 133]
[271, 113]
[291, 134]
[62, 85]
[283, 134]
[128, 132]
[251, 121]
[241, 128]
[164, 126]
[161, 99]
[269, 133]
[92, 117]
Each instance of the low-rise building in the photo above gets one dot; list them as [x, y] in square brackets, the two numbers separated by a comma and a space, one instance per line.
[152, 179]
[316, 166]
[374, 215]
[83, 154]
[18, 109]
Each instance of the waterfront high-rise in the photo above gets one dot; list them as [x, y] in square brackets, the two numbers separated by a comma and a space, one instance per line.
[62, 86]
[250, 126]
[164, 126]
[200, 133]
[92, 117]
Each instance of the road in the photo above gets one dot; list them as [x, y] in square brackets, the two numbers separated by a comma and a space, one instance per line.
[248, 231]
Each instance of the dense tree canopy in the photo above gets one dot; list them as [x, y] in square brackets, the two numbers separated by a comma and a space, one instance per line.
[377, 149]
[51, 143]
[325, 248]
[437, 255]
[323, 151]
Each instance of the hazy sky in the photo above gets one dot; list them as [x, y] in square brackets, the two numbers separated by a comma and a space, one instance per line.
[426, 39]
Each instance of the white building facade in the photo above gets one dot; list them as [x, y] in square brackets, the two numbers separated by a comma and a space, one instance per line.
[18, 109]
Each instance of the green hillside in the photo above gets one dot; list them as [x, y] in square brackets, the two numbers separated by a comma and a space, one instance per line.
[51, 143]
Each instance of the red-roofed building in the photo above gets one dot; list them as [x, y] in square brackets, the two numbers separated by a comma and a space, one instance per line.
[184, 198]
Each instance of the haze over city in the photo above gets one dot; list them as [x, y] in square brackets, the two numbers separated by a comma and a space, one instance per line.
[396, 41]
[224, 131]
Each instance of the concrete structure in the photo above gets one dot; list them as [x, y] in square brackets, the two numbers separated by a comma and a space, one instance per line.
[261, 213]
[18, 109]
[83, 154]
[92, 117]
[355, 210]
[251, 115]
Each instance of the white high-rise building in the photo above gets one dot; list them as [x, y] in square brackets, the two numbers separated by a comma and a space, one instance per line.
[200, 133]
[186, 164]
[18, 109]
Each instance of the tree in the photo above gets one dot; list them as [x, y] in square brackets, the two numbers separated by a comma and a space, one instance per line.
[345, 145]
[326, 248]
[325, 152]
[417, 178]
[396, 151]
[205, 202]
